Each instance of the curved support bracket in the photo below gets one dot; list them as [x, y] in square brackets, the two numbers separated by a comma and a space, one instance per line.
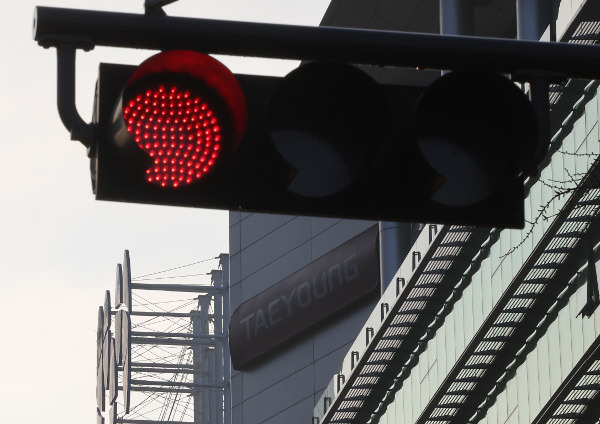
[65, 96]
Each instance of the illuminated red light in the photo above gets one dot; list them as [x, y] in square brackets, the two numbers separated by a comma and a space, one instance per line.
[188, 136]
[191, 103]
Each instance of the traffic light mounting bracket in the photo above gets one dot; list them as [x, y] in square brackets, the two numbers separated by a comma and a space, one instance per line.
[66, 48]
[533, 62]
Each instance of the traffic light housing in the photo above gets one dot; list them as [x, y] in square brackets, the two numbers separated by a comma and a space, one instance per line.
[326, 140]
[461, 162]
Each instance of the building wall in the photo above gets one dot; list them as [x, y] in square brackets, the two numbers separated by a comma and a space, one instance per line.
[545, 367]
[548, 364]
[563, 342]
[267, 248]
[264, 250]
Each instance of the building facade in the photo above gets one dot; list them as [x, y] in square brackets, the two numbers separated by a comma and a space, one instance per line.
[265, 249]
[490, 325]
[477, 325]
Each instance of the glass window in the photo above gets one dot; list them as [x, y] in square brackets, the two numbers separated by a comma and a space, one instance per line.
[581, 162]
[416, 399]
[486, 284]
[501, 407]
[399, 406]
[591, 118]
[468, 314]
[558, 175]
[597, 98]
[477, 299]
[552, 339]
[576, 326]
[408, 401]
[433, 373]
[536, 202]
[497, 283]
[459, 327]
[568, 159]
[513, 417]
[450, 342]
[564, 328]
[579, 130]
[517, 256]
[596, 317]
[423, 364]
[548, 192]
[592, 145]
[533, 387]
[512, 400]
[543, 369]
[440, 338]
[506, 267]
[527, 246]
[390, 414]
[522, 394]
[580, 297]
[424, 384]
[492, 414]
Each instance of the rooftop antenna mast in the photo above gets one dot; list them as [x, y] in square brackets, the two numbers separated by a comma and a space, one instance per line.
[175, 355]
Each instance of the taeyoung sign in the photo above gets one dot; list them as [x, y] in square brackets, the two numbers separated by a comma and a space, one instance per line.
[304, 299]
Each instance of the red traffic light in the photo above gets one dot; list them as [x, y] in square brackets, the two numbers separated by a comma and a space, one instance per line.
[185, 110]
[322, 141]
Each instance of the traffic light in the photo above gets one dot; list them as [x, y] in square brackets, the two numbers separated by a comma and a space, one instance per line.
[326, 140]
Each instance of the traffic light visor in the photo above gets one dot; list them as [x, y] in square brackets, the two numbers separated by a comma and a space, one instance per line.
[186, 111]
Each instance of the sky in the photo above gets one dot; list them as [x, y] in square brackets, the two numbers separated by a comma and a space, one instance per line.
[58, 246]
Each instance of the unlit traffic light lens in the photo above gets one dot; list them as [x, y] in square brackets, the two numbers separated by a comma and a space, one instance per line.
[478, 131]
[326, 120]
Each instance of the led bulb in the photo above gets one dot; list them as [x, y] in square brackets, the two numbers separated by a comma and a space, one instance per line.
[183, 138]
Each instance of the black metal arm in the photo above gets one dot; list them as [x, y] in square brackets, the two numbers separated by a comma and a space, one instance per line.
[358, 46]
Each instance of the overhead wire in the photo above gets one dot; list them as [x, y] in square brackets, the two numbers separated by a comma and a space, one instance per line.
[173, 269]
[172, 404]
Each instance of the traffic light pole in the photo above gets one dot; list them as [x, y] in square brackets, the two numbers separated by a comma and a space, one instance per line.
[358, 46]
